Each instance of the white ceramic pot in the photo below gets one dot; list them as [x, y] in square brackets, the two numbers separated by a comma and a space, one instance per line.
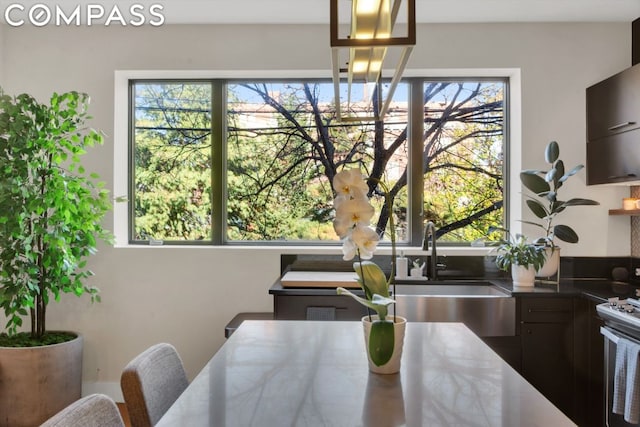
[393, 365]
[523, 276]
[551, 264]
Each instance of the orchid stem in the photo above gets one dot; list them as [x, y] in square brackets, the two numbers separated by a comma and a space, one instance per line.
[392, 237]
[363, 284]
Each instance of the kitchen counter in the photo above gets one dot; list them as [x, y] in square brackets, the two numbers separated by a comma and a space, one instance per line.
[306, 373]
[595, 289]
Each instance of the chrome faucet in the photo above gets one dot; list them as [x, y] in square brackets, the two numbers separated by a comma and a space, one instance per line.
[430, 233]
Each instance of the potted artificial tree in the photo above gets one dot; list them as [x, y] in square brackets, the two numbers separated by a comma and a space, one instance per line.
[51, 213]
[522, 256]
[545, 205]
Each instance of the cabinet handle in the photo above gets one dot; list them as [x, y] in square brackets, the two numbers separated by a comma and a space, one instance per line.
[629, 175]
[621, 125]
[547, 310]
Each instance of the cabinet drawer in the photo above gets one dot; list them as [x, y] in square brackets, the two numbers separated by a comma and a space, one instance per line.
[613, 105]
[546, 310]
[614, 159]
[302, 307]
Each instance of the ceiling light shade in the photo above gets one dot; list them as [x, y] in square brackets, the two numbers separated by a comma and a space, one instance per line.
[362, 53]
[370, 19]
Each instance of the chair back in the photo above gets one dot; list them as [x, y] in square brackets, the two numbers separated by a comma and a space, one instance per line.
[151, 383]
[96, 410]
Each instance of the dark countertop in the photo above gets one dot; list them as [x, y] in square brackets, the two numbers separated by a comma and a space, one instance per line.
[597, 290]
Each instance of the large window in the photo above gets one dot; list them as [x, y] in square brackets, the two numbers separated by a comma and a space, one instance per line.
[226, 161]
[172, 161]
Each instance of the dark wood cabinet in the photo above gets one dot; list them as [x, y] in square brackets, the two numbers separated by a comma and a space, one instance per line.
[317, 307]
[595, 370]
[563, 354]
[613, 105]
[614, 158]
[547, 334]
[613, 128]
[589, 364]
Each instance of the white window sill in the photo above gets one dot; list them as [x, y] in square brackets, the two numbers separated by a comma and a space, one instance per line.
[321, 250]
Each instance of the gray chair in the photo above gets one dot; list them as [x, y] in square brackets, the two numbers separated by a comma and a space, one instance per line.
[96, 410]
[151, 383]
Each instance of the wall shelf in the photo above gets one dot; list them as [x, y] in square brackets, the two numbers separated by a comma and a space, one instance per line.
[629, 212]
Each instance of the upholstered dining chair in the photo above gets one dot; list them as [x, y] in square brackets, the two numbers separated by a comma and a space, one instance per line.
[151, 383]
[96, 410]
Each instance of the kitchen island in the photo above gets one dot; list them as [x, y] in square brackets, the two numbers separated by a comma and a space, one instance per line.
[310, 373]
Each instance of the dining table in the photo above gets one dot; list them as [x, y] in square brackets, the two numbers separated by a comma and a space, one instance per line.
[315, 373]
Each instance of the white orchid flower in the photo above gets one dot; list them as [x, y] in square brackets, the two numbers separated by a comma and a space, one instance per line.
[342, 227]
[339, 200]
[351, 184]
[366, 239]
[351, 213]
[349, 249]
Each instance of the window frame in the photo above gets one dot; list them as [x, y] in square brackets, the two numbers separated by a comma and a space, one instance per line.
[219, 82]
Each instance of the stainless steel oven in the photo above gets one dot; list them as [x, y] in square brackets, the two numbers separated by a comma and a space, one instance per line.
[622, 320]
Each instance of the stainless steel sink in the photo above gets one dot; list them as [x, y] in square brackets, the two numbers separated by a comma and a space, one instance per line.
[479, 290]
[485, 309]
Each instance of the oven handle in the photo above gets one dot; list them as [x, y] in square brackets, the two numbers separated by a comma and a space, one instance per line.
[614, 335]
[609, 334]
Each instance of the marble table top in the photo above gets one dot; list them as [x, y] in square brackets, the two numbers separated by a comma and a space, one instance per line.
[315, 373]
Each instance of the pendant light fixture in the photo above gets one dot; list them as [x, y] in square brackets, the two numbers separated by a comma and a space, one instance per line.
[369, 47]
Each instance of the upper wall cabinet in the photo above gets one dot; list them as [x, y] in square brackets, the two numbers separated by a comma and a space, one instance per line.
[613, 129]
[614, 159]
[613, 105]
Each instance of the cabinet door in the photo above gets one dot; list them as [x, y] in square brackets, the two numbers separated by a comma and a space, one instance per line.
[614, 159]
[589, 364]
[595, 387]
[613, 105]
[548, 348]
[547, 361]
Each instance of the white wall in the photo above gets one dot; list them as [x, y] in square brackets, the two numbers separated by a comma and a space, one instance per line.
[186, 295]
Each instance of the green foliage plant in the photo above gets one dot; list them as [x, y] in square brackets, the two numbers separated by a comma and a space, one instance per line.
[544, 202]
[51, 208]
[519, 250]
